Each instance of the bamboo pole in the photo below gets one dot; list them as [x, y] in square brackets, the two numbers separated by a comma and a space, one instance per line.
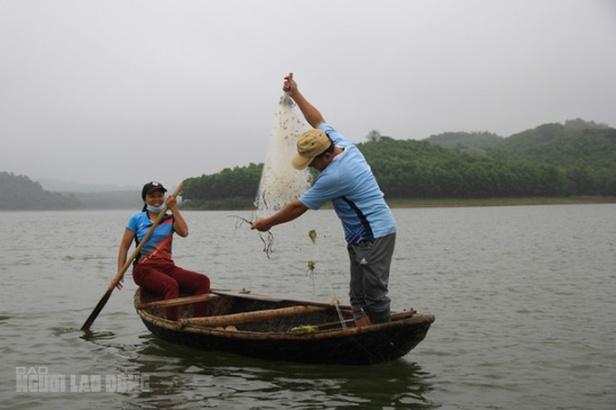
[306, 329]
[237, 318]
[246, 294]
[187, 300]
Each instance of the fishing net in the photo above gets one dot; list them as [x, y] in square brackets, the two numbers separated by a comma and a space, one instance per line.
[280, 182]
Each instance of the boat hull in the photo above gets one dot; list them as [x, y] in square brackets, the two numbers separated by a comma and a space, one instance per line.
[365, 345]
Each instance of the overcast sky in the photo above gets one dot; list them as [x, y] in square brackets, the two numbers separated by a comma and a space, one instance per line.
[123, 92]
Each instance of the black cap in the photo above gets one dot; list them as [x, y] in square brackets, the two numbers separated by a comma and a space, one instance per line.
[152, 187]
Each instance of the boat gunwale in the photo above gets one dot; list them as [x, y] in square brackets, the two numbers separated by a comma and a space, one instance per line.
[415, 319]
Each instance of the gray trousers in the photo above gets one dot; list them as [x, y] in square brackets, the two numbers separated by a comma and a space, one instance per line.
[370, 262]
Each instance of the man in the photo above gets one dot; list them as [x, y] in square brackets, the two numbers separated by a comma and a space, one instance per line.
[347, 180]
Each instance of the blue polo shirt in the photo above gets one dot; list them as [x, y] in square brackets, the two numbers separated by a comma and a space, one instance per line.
[159, 244]
[349, 183]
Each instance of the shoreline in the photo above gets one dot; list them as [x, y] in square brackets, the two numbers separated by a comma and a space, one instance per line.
[471, 202]
[444, 202]
[392, 202]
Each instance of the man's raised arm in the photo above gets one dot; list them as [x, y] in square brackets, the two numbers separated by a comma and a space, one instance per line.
[312, 115]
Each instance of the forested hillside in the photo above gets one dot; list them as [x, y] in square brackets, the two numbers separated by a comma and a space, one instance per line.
[21, 193]
[231, 188]
[563, 145]
[475, 139]
[418, 169]
[574, 158]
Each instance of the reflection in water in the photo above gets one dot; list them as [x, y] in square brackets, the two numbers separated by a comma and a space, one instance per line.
[95, 336]
[187, 375]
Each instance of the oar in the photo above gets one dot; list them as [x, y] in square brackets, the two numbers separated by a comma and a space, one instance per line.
[101, 303]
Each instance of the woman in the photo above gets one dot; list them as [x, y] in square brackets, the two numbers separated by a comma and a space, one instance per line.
[153, 269]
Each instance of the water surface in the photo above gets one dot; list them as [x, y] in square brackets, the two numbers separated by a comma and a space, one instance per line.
[523, 298]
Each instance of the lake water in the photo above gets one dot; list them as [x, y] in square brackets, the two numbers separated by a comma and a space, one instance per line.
[524, 299]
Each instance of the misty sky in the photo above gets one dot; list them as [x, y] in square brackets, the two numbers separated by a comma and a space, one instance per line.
[122, 92]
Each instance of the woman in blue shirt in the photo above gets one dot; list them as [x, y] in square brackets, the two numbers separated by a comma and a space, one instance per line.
[154, 269]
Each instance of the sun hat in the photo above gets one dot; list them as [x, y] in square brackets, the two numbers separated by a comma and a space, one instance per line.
[310, 145]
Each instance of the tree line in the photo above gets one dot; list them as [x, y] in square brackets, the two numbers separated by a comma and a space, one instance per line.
[575, 158]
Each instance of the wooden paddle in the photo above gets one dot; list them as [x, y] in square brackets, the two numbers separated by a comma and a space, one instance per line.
[101, 303]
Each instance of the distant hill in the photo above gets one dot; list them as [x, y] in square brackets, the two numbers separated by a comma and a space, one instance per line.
[21, 193]
[466, 139]
[60, 185]
[523, 144]
[109, 200]
[576, 157]
[575, 143]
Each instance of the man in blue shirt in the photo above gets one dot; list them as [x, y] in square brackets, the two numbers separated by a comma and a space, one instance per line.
[347, 181]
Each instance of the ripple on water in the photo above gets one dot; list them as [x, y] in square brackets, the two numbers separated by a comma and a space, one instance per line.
[60, 331]
[95, 336]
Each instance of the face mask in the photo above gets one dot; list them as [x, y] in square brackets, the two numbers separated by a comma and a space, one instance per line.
[155, 209]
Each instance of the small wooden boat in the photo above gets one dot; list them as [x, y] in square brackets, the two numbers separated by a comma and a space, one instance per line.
[244, 323]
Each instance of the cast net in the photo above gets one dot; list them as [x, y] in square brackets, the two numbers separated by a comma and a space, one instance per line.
[280, 182]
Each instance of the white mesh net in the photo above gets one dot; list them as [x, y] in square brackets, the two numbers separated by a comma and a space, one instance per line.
[280, 182]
